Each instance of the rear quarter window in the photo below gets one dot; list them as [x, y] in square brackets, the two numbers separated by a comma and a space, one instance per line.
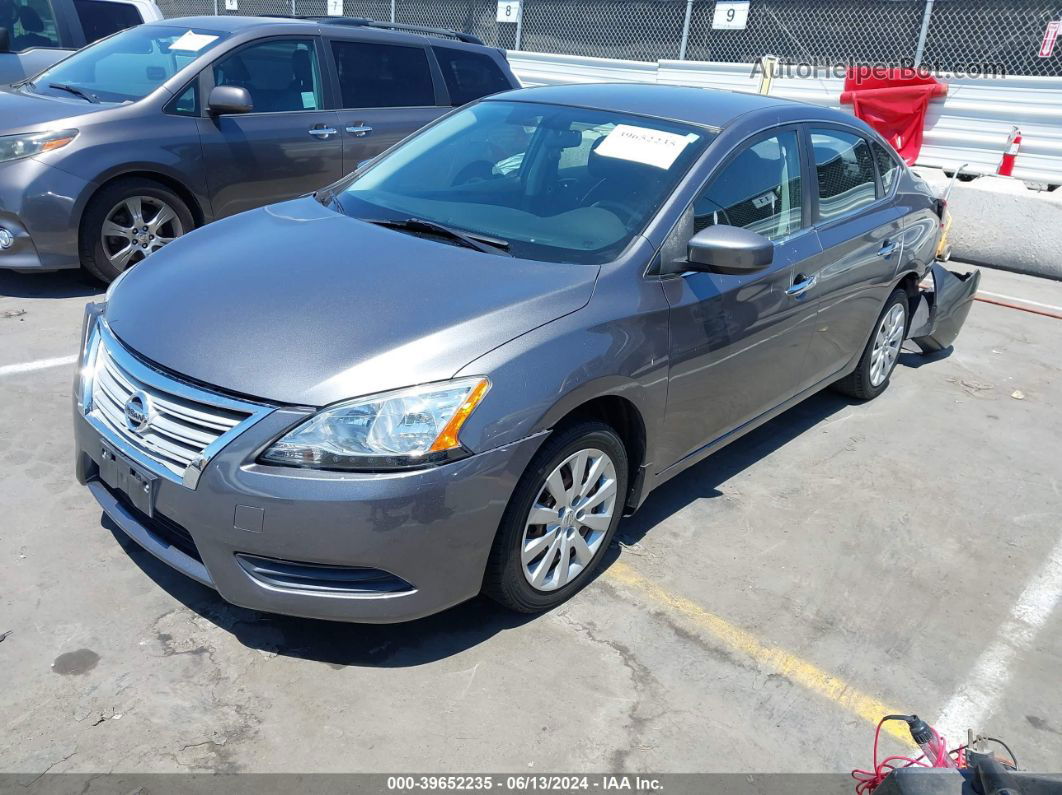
[470, 75]
[101, 18]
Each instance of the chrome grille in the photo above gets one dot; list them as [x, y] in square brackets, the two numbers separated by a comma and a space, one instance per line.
[184, 427]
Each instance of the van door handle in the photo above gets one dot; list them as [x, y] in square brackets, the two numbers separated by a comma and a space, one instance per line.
[359, 130]
[804, 284]
[887, 248]
[323, 132]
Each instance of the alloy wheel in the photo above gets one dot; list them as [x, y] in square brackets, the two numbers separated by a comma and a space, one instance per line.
[887, 343]
[568, 520]
[137, 227]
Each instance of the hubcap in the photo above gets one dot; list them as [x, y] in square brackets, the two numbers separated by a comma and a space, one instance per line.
[887, 344]
[569, 520]
[137, 227]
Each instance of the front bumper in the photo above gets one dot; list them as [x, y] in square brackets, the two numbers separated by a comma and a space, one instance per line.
[432, 528]
[372, 547]
[41, 207]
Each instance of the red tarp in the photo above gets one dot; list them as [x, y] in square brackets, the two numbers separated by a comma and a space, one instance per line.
[895, 105]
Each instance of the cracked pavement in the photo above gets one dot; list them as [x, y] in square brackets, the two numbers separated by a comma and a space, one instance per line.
[885, 543]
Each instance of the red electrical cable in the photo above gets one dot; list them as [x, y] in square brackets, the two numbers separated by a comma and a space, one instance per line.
[869, 780]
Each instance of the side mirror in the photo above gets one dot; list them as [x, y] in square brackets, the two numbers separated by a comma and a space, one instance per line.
[229, 99]
[5, 40]
[729, 249]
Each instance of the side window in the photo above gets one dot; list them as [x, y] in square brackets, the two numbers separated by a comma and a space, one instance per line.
[888, 167]
[383, 75]
[280, 75]
[30, 23]
[757, 190]
[101, 18]
[187, 104]
[845, 170]
[469, 75]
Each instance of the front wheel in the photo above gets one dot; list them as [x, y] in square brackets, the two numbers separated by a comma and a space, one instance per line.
[560, 519]
[128, 221]
[871, 376]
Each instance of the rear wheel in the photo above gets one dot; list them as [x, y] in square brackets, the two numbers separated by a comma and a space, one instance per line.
[128, 221]
[871, 376]
[560, 519]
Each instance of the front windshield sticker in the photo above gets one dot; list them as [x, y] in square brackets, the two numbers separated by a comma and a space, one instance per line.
[645, 145]
[192, 42]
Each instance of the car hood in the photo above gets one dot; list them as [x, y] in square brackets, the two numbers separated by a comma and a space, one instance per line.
[30, 113]
[298, 304]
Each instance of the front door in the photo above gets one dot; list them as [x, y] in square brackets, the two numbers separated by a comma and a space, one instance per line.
[386, 92]
[738, 341]
[287, 145]
[860, 230]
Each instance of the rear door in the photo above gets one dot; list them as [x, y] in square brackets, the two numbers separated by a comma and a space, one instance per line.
[386, 91]
[860, 229]
[738, 341]
[289, 144]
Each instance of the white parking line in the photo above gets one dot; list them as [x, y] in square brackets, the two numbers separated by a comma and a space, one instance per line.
[976, 700]
[1020, 300]
[40, 364]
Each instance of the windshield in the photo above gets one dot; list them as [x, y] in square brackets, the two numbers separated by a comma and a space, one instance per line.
[127, 66]
[555, 183]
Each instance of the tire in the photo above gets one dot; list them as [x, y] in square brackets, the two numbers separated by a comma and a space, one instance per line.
[871, 376]
[104, 257]
[508, 579]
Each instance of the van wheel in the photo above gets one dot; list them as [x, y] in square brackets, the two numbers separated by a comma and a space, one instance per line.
[871, 376]
[560, 520]
[128, 221]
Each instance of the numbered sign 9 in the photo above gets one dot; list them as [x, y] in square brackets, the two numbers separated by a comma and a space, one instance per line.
[730, 15]
[508, 10]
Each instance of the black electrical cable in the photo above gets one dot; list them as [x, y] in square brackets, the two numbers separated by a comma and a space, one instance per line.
[1006, 747]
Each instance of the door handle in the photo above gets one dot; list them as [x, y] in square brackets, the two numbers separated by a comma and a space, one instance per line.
[804, 284]
[887, 248]
[322, 132]
[359, 130]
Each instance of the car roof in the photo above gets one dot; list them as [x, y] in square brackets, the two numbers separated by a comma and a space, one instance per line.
[705, 107]
[280, 24]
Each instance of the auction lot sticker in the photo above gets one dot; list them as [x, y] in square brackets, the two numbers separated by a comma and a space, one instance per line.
[644, 145]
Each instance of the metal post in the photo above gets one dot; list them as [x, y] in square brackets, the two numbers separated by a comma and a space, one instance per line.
[519, 26]
[920, 49]
[293, 8]
[215, 7]
[392, 11]
[686, 30]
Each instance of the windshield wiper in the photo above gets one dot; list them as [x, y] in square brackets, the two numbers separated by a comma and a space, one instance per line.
[78, 92]
[473, 240]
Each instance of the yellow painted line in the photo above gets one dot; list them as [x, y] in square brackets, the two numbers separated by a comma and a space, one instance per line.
[803, 673]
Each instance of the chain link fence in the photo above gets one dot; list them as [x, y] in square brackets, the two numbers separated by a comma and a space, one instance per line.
[970, 36]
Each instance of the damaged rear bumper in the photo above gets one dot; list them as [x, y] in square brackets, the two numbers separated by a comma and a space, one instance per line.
[942, 308]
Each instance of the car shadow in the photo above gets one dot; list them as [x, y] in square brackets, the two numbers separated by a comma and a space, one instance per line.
[57, 284]
[467, 625]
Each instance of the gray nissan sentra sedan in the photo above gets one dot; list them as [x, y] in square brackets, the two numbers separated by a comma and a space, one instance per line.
[455, 370]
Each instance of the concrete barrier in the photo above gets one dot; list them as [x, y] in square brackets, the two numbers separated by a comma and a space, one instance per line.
[998, 221]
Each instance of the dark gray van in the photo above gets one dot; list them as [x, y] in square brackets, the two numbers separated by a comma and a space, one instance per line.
[133, 141]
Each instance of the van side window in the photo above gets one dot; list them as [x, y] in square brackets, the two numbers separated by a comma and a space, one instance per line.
[845, 171]
[758, 190]
[31, 24]
[888, 167]
[101, 18]
[469, 75]
[280, 75]
[383, 75]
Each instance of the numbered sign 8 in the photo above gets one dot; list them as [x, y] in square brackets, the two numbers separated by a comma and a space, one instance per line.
[508, 10]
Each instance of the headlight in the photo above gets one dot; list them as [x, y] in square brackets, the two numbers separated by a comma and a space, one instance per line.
[394, 430]
[13, 147]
